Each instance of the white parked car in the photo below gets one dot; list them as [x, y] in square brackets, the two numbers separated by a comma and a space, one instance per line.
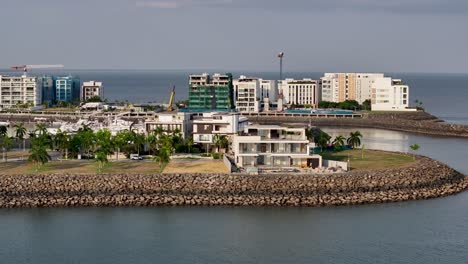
[135, 157]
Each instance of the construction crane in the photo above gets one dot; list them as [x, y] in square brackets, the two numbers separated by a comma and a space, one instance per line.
[171, 99]
[25, 68]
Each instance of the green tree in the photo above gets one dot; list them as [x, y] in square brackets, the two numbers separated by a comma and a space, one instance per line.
[94, 99]
[138, 141]
[85, 140]
[62, 142]
[3, 130]
[104, 147]
[419, 104]
[119, 142]
[366, 105]
[189, 142]
[414, 148]
[162, 158]
[20, 132]
[217, 141]
[41, 129]
[6, 144]
[38, 152]
[322, 140]
[339, 142]
[354, 139]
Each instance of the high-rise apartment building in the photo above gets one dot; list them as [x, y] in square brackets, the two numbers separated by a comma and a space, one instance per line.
[247, 94]
[48, 91]
[299, 92]
[211, 92]
[339, 87]
[67, 89]
[389, 95]
[20, 91]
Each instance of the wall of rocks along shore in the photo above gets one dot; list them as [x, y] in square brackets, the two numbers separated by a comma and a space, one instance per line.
[423, 180]
[417, 122]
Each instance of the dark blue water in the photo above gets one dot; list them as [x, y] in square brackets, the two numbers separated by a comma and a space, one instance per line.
[443, 95]
[425, 232]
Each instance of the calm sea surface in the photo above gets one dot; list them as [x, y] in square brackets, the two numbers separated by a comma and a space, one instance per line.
[433, 231]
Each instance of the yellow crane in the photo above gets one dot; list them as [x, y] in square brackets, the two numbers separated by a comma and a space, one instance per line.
[171, 99]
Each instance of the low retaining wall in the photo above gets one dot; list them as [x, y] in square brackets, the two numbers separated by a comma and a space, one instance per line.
[423, 180]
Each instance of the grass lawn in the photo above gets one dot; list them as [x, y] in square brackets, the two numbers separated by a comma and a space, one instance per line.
[196, 166]
[16, 154]
[80, 167]
[372, 159]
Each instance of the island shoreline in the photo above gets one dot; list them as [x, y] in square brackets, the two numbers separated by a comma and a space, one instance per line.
[425, 179]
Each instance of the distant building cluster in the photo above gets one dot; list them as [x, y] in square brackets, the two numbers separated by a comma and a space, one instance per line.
[34, 92]
[221, 92]
[384, 93]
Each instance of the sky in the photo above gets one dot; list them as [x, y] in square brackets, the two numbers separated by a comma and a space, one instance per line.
[428, 36]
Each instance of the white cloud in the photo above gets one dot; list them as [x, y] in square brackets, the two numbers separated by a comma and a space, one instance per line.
[159, 4]
[172, 4]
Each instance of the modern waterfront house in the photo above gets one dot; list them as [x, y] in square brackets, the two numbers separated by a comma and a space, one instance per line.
[91, 89]
[20, 91]
[299, 92]
[67, 88]
[208, 125]
[274, 146]
[208, 92]
[171, 121]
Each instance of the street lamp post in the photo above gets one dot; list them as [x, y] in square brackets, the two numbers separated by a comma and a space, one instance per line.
[280, 56]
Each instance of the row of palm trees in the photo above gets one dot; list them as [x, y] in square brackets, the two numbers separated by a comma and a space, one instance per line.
[323, 140]
[97, 145]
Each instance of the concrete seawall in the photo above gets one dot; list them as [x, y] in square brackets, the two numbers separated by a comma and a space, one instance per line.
[417, 122]
[424, 179]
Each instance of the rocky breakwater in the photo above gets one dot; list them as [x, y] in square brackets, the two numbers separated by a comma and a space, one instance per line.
[414, 122]
[424, 179]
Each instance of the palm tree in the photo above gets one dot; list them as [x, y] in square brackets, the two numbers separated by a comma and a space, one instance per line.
[225, 142]
[339, 142]
[138, 141]
[119, 142]
[354, 139]
[322, 140]
[85, 136]
[163, 157]
[217, 141]
[414, 148]
[189, 142]
[20, 132]
[41, 128]
[62, 142]
[38, 152]
[3, 130]
[6, 145]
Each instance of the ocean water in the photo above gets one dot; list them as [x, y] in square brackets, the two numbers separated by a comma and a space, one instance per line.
[418, 232]
[443, 95]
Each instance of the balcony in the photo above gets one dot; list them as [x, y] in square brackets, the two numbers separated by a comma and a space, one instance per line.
[272, 148]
